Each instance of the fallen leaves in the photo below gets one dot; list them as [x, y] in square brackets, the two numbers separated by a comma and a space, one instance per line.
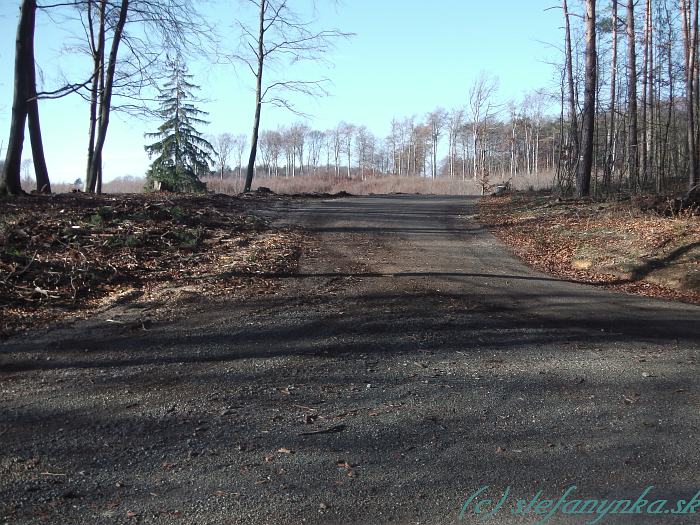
[612, 244]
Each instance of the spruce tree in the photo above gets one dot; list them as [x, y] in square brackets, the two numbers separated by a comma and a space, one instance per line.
[182, 154]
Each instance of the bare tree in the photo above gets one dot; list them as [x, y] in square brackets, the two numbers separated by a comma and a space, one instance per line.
[611, 142]
[297, 134]
[408, 144]
[106, 73]
[337, 144]
[583, 177]
[464, 138]
[456, 122]
[633, 154]
[436, 122]
[224, 144]
[289, 150]
[573, 111]
[420, 145]
[281, 36]
[689, 23]
[24, 107]
[132, 60]
[396, 147]
[513, 164]
[27, 175]
[365, 144]
[240, 143]
[481, 105]
[316, 140]
[271, 148]
[647, 96]
[532, 114]
[347, 134]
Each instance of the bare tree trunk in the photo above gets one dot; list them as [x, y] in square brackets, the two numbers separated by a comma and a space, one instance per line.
[41, 172]
[573, 118]
[294, 161]
[644, 154]
[583, 178]
[408, 156]
[689, 20]
[611, 142]
[450, 147]
[475, 143]
[94, 182]
[562, 138]
[43, 185]
[632, 95]
[528, 142]
[98, 53]
[336, 152]
[512, 148]
[696, 89]
[24, 105]
[669, 115]
[258, 99]
[435, 166]
[537, 151]
[10, 183]
[650, 124]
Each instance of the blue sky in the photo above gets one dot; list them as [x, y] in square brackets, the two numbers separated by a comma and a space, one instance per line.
[406, 58]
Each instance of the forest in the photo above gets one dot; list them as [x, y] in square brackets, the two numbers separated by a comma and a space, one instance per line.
[620, 115]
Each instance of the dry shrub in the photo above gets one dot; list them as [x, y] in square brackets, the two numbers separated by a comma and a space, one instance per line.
[228, 185]
[379, 184]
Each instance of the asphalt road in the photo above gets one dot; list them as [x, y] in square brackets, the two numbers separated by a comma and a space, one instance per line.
[411, 362]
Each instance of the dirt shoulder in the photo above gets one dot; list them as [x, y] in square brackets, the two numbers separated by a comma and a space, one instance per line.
[614, 244]
[69, 255]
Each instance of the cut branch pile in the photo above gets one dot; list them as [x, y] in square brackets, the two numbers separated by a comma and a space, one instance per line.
[60, 255]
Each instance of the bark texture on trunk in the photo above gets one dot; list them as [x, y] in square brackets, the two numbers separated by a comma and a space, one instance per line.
[24, 104]
[97, 46]
[611, 142]
[633, 154]
[689, 21]
[573, 117]
[94, 177]
[583, 177]
[250, 173]
[41, 172]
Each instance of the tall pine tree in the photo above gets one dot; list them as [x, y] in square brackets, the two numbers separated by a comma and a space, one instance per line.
[182, 154]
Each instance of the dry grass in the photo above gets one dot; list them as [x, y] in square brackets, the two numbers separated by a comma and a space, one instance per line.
[126, 184]
[380, 184]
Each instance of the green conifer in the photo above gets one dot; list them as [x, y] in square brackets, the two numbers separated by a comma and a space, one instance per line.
[182, 155]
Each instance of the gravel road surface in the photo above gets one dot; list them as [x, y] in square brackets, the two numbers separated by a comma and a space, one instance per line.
[410, 362]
